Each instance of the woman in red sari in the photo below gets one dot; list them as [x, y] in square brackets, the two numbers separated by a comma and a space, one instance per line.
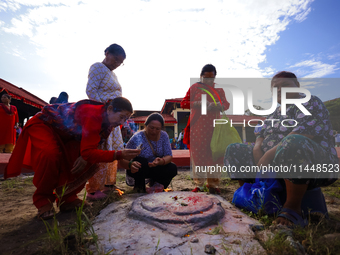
[9, 122]
[200, 127]
[60, 144]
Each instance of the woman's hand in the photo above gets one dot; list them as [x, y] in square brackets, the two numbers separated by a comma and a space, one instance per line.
[135, 166]
[157, 162]
[130, 153]
[78, 165]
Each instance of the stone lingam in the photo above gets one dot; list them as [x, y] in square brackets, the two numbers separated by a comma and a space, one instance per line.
[179, 213]
[175, 223]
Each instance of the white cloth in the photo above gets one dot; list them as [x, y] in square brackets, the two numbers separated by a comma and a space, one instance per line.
[102, 83]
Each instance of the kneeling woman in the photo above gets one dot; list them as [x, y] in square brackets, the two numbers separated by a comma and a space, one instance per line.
[60, 144]
[154, 161]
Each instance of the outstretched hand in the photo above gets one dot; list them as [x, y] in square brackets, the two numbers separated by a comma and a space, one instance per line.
[130, 153]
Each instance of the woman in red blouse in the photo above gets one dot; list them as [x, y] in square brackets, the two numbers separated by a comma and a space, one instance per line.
[9, 122]
[60, 144]
[199, 130]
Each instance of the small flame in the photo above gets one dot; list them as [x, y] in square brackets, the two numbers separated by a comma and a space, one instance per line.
[168, 190]
[120, 192]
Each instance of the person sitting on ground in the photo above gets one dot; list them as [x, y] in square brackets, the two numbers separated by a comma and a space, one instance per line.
[308, 143]
[173, 144]
[154, 161]
[60, 144]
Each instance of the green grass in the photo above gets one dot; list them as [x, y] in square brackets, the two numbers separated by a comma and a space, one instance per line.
[278, 245]
[120, 176]
[16, 184]
[77, 237]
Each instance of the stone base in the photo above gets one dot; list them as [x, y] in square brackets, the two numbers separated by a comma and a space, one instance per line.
[121, 234]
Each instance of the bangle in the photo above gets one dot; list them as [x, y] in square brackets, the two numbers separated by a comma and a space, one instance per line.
[130, 163]
[119, 155]
[114, 156]
[164, 161]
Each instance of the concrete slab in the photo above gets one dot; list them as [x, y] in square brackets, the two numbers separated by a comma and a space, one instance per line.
[122, 234]
[180, 157]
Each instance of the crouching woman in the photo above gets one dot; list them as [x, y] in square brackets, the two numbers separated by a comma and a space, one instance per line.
[154, 161]
[60, 144]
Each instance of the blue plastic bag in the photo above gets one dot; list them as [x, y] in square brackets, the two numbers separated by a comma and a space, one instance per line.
[263, 194]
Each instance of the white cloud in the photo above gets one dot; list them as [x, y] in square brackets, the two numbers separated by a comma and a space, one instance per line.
[166, 42]
[314, 69]
[334, 56]
[9, 6]
[303, 15]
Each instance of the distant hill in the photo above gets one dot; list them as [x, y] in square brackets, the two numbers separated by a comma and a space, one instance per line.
[333, 106]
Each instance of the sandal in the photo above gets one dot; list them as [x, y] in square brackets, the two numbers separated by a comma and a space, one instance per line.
[294, 217]
[75, 204]
[46, 212]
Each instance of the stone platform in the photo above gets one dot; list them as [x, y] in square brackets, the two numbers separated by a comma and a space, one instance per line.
[175, 223]
[180, 157]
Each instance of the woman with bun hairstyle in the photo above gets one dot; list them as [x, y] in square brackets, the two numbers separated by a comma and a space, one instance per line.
[103, 85]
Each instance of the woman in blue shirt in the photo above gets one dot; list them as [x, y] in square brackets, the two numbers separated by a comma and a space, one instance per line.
[154, 161]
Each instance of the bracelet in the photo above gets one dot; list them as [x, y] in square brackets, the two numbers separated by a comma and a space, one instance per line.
[130, 163]
[119, 155]
[114, 156]
[164, 161]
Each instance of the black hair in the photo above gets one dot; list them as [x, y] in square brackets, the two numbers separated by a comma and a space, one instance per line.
[285, 74]
[154, 116]
[8, 96]
[116, 50]
[208, 68]
[53, 100]
[119, 104]
[62, 98]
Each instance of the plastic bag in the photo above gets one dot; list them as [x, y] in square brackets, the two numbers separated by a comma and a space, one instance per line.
[223, 136]
[264, 194]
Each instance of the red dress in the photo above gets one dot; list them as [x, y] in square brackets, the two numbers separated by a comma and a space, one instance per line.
[50, 143]
[199, 130]
[8, 117]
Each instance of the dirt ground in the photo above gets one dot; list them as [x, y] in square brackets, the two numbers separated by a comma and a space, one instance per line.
[22, 233]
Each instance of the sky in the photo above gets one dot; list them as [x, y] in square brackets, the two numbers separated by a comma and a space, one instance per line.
[48, 46]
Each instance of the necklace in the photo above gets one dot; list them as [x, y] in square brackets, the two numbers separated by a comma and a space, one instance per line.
[154, 150]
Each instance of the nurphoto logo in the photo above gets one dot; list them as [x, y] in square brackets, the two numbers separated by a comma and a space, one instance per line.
[238, 109]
